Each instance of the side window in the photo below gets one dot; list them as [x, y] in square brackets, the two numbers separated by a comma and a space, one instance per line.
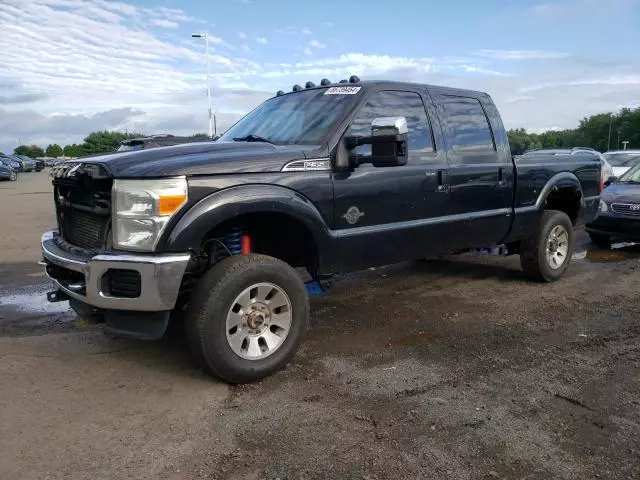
[397, 104]
[469, 127]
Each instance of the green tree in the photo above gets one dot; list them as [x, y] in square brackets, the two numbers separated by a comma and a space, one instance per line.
[32, 151]
[73, 150]
[54, 151]
[105, 141]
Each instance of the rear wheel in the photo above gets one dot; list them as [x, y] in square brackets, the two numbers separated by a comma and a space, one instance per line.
[601, 241]
[247, 317]
[546, 255]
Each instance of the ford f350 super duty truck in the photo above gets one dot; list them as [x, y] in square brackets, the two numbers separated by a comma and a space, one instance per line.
[332, 178]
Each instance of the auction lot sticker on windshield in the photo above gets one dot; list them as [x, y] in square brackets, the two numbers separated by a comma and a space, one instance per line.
[342, 90]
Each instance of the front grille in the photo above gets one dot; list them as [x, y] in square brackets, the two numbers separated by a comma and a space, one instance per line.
[630, 209]
[82, 194]
[84, 229]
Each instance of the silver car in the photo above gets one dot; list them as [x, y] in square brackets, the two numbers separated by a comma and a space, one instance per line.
[622, 160]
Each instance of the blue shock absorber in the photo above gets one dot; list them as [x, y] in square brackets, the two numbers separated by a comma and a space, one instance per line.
[234, 241]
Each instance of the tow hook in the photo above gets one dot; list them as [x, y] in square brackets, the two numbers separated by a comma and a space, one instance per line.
[57, 296]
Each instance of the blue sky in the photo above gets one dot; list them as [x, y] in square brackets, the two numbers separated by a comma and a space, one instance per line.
[68, 67]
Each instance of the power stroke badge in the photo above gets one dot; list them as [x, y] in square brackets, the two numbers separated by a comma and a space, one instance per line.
[353, 215]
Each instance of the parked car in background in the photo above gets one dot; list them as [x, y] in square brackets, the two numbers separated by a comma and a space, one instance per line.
[155, 141]
[28, 165]
[6, 171]
[622, 160]
[12, 162]
[32, 164]
[619, 211]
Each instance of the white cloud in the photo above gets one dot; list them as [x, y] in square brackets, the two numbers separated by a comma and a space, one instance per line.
[261, 40]
[113, 69]
[242, 35]
[306, 31]
[329, 24]
[520, 54]
[161, 22]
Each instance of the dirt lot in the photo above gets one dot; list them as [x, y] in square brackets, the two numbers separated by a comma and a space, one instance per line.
[459, 369]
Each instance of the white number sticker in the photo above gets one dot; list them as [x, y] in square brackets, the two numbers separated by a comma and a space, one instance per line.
[342, 90]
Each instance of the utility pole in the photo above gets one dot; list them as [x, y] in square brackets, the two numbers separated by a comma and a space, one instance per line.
[206, 41]
[610, 123]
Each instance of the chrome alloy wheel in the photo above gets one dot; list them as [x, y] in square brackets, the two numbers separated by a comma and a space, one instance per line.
[557, 246]
[258, 321]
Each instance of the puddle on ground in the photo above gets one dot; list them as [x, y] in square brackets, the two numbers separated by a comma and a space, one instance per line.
[413, 339]
[32, 300]
[618, 252]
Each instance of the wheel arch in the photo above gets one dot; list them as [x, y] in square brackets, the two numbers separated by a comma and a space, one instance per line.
[293, 216]
[562, 192]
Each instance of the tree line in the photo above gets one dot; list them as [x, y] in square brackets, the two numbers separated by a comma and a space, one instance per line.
[97, 142]
[603, 132]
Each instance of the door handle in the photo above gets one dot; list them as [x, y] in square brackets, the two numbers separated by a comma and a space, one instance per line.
[442, 181]
[502, 175]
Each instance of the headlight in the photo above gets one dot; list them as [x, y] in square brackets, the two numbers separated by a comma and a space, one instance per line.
[142, 209]
[603, 207]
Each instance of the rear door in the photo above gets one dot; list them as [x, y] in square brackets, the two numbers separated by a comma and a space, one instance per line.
[481, 178]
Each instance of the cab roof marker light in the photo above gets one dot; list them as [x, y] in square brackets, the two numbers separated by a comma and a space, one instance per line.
[279, 92]
[324, 82]
[309, 85]
[343, 81]
[354, 79]
[297, 88]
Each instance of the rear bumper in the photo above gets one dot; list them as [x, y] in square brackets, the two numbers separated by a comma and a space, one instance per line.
[83, 278]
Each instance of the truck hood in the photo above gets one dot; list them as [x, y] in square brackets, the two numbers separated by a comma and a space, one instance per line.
[201, 158]
[621, 193]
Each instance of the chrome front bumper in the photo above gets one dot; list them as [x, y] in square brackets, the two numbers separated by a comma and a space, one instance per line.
[160, 276]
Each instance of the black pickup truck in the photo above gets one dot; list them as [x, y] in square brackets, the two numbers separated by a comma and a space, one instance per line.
[330, 178]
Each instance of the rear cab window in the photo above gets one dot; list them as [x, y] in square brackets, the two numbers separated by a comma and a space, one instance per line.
[471, 136]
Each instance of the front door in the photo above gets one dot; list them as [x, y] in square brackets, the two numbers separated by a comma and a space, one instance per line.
[384, 214]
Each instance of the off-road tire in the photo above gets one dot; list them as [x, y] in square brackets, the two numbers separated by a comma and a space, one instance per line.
[601, 241]
[533, 250]
[211, 301]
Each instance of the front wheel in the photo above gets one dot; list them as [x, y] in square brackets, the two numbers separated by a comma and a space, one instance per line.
[546, 255]
[247, 317]
[13, 176]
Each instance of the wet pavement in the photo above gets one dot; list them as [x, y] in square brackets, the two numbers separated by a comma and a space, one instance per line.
[457, 368]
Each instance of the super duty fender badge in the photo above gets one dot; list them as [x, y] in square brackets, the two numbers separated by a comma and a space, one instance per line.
[353, 215]
[342, 90]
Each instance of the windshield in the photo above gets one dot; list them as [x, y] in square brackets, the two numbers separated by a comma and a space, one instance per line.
[622, 159]
[631, 176]
[303, 118]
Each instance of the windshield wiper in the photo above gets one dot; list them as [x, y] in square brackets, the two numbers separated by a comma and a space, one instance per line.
[252, 138]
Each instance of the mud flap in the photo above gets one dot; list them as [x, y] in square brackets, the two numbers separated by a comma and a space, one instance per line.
[136, 325]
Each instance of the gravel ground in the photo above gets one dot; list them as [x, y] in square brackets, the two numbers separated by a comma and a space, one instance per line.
[458, 368]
